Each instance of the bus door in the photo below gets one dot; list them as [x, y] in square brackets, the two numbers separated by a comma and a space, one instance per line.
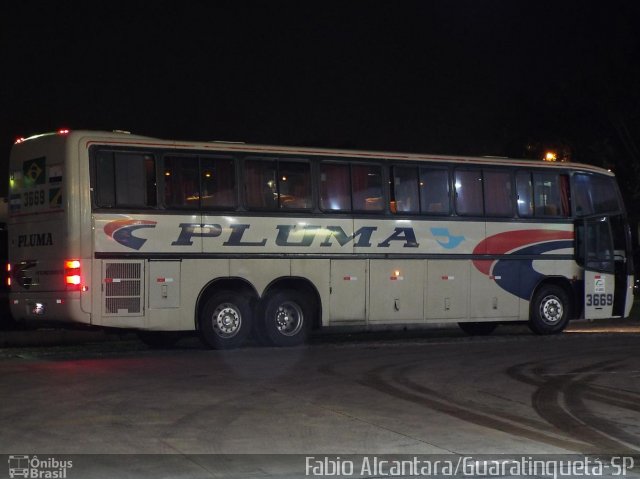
[605, 267]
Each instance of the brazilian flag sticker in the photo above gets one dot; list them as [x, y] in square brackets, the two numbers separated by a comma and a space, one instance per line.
[34, 172]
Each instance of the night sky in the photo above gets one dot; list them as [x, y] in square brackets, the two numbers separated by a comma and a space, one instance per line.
[451, 77]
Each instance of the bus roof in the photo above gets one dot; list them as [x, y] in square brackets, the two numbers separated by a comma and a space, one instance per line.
[123, 138]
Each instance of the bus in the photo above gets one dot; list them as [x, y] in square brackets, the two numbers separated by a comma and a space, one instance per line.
[233, 240]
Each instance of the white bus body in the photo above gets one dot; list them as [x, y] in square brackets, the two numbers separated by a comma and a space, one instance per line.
[95, 237]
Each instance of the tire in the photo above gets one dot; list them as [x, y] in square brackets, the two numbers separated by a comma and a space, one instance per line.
[287, 320]
[159, 339]
[225, 320]
[550, 310]
[478, 329]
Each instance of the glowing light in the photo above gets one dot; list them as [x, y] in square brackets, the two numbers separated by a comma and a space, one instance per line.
[73, 279]
[72, 264]
[72, 276]
[550, 156]
[63, 131]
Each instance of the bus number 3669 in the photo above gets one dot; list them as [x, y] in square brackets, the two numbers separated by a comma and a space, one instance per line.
[599, 299]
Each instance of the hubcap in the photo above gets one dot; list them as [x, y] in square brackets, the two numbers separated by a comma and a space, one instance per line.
[551, 310]
[226, 320]
[289, 319]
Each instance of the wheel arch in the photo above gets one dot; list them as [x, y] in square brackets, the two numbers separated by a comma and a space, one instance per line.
[237, 285]
[568, 288]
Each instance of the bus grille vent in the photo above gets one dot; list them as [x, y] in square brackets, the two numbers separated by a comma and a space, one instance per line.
[122, 288]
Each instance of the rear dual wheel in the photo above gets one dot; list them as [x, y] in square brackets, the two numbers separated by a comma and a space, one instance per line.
[225, 320]
[287, 317]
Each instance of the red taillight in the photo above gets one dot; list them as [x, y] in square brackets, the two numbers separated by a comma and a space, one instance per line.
[8, 274]
[72, 277]
[63, 131]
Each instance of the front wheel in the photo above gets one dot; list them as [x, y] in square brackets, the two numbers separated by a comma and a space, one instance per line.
[288, 316]
[225, 320]
[550, 310]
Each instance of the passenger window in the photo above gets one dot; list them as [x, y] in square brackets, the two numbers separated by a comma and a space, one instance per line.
[551, 194]
[497, 193]
[261, 185]
[366, 188]
[434, 191]
[524, 189]
[272, 184]
[125, 180]
[335, 190]
[218, 183]
[469, 192]
[404, 190]
[294, 180]
[181, 182]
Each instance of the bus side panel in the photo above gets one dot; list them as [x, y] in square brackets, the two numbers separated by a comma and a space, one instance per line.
[488, 300]
[398, 296]
[260, 272]
[318, 272]
[447, 286]
[348, 303]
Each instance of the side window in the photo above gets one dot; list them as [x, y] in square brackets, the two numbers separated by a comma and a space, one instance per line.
[261, 186]
[335, 189]
[125, 180]
[468, 192]
[434, 191]
[594, 194]
[551, 194]
[405, 197]
[497, 193]
[218, 183]
[294, 179]
[524, 189]
[181, 182]
[366, 188]
[273, 184]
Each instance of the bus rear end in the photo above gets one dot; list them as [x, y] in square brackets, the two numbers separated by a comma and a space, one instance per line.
[45, 264]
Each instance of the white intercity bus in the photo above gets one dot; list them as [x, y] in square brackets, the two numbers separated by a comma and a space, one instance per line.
[116, 230]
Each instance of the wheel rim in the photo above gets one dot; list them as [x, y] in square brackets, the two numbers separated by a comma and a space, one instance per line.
[226, 320]
[289, 318]
[551, 310]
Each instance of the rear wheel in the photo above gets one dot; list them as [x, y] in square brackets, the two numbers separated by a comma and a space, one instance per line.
[225, 320]
[478, 329]
[550, 310]
[288, 316]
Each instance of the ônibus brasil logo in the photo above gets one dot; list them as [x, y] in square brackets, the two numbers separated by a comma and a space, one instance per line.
[122, 232]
